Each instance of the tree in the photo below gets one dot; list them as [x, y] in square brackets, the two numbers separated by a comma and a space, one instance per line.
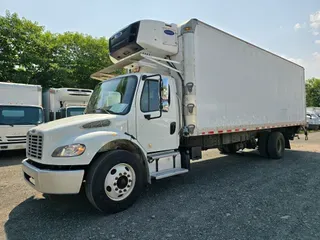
[79, 56]
[29, 54]
[313, 92]
[21, 48]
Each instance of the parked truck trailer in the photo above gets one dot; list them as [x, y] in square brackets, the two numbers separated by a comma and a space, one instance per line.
[65, 102]
[20, 110]
[190, 87]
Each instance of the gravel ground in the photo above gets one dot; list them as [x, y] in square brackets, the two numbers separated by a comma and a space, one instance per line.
[232, 197]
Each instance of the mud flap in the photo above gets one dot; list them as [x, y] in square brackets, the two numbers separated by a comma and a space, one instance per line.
[287, 143]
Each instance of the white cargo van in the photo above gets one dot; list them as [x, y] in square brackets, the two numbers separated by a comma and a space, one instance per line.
[65, 102]
[20, 110]
[191, 88]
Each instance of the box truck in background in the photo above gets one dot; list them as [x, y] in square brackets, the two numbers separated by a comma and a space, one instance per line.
[65, 102]
[191, 88]
[20, 110]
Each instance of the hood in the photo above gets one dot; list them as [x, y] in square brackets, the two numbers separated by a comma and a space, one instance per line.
[68, 124]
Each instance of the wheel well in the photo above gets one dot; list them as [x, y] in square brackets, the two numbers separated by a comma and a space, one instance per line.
[128, 146]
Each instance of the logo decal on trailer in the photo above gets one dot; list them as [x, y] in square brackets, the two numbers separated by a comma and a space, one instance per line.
[169, 32]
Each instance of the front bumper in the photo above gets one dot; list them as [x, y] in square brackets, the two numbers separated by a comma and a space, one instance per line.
[11, 146]
[52, 181]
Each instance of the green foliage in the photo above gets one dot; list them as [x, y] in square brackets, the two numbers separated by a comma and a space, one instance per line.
[29, 54]
[313, 92]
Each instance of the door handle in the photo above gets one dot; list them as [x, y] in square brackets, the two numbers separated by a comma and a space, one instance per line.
[172, 127]
[147, 116]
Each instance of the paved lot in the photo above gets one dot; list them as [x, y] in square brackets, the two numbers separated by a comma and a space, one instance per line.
[232, 197]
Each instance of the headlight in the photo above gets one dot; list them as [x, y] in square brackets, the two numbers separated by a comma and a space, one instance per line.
[69, 150]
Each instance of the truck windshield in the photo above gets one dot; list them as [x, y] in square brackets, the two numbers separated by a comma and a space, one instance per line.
[20, 115]
[113, 96]
[74, 111]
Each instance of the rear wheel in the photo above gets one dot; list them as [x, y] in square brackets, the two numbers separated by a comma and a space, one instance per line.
[276, 145]
[115, 181]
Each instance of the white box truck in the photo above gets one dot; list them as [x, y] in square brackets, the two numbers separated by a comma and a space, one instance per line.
[190, 88]
[64, 102]
[20, 110]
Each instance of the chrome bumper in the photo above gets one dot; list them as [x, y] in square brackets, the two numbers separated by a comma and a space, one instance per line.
[52, 181]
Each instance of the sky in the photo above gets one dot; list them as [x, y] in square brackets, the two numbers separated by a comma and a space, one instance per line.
[289, 28]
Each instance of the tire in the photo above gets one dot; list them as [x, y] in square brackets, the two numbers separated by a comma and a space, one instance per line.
[115, 181]
[276, 145]
[263, 144]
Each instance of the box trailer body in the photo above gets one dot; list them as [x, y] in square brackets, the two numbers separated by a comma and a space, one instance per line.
[64, 102]
[189, 88]
[238, 85]
[20, 110]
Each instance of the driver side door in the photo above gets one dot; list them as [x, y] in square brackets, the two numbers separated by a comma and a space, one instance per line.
[155, 134]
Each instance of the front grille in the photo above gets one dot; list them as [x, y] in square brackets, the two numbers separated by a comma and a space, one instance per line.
[20, 139]
[34, 145]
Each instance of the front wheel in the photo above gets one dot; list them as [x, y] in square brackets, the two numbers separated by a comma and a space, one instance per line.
[115, 181]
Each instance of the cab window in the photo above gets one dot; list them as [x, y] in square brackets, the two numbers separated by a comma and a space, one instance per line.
[150, 96]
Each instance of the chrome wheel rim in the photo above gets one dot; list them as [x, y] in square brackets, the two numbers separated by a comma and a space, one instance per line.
[120, 182]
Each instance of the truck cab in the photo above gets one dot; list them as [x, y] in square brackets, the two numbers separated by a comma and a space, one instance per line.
[20, 110]
[132, 126]
[65, 102]
[133, 118]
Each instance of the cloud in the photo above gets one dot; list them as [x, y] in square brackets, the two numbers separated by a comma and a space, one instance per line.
[316, 55]
[311, 64]
[313, 25]
[317, 41]
[314, 19]
[297, 27]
